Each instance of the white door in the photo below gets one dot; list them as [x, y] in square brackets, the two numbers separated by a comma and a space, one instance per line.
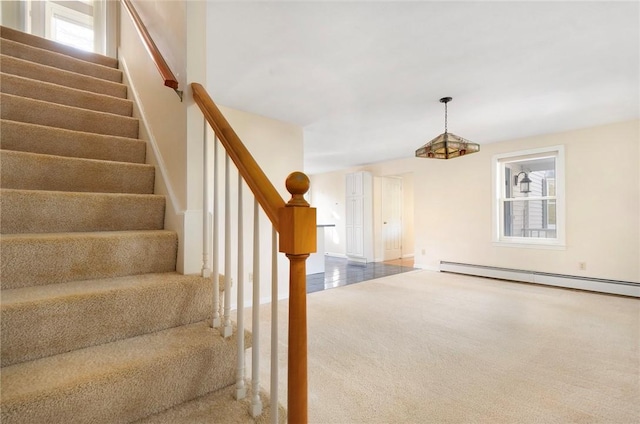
[392, 217]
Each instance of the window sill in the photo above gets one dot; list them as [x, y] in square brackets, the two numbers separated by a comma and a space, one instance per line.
[526, 245]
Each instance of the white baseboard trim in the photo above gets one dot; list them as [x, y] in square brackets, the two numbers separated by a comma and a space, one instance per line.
[356, 260]
[624, 288]
[426, 267]
[336, 255]
[408, 256]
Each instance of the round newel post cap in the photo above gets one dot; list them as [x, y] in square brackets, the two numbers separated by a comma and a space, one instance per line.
[297, 185]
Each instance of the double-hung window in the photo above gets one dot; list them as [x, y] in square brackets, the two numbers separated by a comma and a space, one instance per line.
[528, 190]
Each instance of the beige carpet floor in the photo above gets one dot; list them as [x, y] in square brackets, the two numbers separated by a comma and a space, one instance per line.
[427, 347]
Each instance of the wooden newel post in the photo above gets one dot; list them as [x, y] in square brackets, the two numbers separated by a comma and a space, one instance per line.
[297, 241]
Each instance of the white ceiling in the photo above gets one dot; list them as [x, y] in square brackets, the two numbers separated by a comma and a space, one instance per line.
[363, 79]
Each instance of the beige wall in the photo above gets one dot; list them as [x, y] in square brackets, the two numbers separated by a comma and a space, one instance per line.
[11, 14]
[278, 149]
[166, 22]
[175, 132]
[173, 128]
[452, 205]
[327, 194]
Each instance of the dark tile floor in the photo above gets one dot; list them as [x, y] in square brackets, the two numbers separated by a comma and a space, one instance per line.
[338, 272]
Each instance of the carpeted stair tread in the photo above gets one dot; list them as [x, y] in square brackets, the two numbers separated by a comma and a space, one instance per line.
[59, 94]
[57, 60]
[217, 407]
[47, 320]
[37, 211]
[35, 171]
[16, 108]
[120, 381]
[40, 259]
[25, 137]
[42, 43]
[24, 68]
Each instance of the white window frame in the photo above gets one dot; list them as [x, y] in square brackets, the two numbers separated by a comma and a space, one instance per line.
[70, 15]
[498, 196]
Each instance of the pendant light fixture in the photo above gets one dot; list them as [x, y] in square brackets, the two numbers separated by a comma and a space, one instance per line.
[447, 145]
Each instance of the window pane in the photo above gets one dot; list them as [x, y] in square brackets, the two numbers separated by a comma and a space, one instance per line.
[537, 171]
[530, 218]
[72, 33]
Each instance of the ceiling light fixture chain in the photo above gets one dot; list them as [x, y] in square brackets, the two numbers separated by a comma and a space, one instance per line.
[445, 100]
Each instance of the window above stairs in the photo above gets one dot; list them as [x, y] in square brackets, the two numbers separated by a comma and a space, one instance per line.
[82, 24]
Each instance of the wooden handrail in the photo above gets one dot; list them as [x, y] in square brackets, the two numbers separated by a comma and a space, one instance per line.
[169, 78]
[262, 189]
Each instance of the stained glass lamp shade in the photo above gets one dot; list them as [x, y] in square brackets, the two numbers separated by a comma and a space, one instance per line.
[447, 145]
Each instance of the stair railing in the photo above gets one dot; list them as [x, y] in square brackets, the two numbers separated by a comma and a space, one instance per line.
[169, 78]
[295, 223]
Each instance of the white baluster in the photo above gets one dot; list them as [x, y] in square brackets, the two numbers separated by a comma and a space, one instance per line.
[227, 330]
[215, 258]
[256, 403]
[241, 390]
[274, 326]
[206, 271]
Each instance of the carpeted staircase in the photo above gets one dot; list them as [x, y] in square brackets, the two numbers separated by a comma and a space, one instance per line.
[96, 325]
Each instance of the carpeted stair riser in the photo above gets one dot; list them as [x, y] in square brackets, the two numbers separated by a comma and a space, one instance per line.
[122, 381]
[59, 94]
[57, 60]
[47, 320]
[30, 211]
[24, 68]
[33, 171]
[35, 41]
[20, 136]
[39, 112]
[40, 259]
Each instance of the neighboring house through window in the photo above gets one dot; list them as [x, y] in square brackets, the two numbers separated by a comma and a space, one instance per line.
[528, 191]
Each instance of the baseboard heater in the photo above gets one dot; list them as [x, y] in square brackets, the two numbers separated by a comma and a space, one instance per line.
[625, 288]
